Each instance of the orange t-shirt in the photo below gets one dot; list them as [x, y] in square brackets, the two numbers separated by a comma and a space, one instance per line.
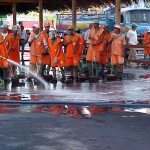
[117, 44]
[54, 47]
[146, 39]
[14, 53]
[37, 46]
[4, 46]
[96, 35]
[71, 46]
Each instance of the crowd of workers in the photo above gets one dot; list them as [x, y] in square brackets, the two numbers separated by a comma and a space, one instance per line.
[48, 50]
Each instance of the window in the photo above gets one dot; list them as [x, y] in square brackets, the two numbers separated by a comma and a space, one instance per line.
[138, 16]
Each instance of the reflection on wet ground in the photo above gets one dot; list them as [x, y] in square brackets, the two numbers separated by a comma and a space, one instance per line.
[135, 88]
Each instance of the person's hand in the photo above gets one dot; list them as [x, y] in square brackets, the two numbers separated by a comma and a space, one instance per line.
[69, 42]
[13, 48]
[94, 44]
[91, 38]
[46, 48]
[55, 60]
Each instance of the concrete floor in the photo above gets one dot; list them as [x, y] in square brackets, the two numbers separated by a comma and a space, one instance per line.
[23, 128]
[44, 131]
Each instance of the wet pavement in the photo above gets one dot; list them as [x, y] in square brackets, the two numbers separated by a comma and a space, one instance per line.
[28, 127]
[44, 131]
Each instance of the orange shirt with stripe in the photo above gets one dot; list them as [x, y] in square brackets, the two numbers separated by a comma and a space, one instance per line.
[117, 44]
[104, 53]
[36, 49]
[81, 47]
[117, 49]
[146, 37]
[14, 53]
[46, 57]
[71, 46]
[54, 47]
[93, 50]
[107, 37]
[4, 49]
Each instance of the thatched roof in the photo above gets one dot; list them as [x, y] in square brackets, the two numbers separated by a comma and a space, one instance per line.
[53, 5]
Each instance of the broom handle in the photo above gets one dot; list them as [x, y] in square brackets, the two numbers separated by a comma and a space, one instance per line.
[111, 59]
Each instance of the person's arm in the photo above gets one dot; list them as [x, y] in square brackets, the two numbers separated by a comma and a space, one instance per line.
[65, 43]
[100, 39]
[76, 46]
[86, 36]
[90, 37]
[45, 43]
[111, 39]
[58, 51]
[26, 38]
[2, 41]
[127, 37]
[10, 45]
[30, 40]
[147, 42]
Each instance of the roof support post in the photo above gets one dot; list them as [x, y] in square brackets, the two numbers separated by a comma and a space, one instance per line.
[41, 14]
[117, 12]
[14, 13]
[74, 2]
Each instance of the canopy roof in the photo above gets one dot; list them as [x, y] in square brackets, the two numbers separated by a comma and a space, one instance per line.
[52, 5]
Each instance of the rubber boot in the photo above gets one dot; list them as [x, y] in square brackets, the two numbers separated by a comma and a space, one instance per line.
[39, 69]
[80, 68]
[97, 69]
[120, 75]
[63, 79]
[43, 69]
[90, 69]
[115, 70]
[54, 80]
[5, 73]
[102, 71]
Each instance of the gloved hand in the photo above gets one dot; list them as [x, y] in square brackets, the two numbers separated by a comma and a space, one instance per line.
[55, 60]
[46, 48]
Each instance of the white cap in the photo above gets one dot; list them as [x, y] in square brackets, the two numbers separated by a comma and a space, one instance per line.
[52, 29]
[4, 26]
[47, 24]
[36, 26]
[117, 26]
[148, 29]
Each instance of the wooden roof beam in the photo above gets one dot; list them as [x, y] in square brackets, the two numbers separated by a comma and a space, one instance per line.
[19, 1]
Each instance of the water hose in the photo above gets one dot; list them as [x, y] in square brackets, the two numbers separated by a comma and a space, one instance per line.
[100, 104]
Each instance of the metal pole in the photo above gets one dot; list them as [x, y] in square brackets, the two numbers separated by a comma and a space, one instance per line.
[41, 14]
[74, 2]
[117, 12]
[14, 13]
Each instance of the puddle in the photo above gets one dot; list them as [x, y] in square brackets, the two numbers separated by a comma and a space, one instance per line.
[135, 88]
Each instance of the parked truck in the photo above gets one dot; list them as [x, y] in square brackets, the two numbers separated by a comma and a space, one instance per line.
[140, 16]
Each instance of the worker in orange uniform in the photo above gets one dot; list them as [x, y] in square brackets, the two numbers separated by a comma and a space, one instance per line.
[117, 55]
[14, 51]
[57, 55]
[46, 57]
[95, 48]
[5, 46]
[105, 54]
[71, 43]
[146, 41]
[38, 46]
[80, 50]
